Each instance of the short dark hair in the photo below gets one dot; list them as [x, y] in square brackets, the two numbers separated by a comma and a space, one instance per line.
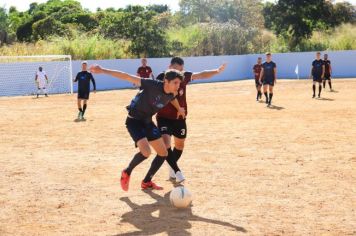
[177, 60]
[172, 74]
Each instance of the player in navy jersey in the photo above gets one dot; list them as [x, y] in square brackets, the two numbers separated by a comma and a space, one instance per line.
[328, 72]
[317, 73]
[83, 78]
[152, 97]
[268, 77]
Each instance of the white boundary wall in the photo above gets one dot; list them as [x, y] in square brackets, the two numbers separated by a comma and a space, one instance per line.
[239, 67]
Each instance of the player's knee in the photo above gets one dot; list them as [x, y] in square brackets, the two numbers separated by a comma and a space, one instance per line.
[145, 151]
[162, 153]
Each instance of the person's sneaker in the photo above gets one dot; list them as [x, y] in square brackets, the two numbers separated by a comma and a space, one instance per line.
[150, 185]
[179, 177]
[172, 175]
[125, 180]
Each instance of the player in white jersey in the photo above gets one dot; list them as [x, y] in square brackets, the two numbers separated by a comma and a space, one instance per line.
[41, 81]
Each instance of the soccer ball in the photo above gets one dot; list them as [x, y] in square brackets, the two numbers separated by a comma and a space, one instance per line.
[180, 197]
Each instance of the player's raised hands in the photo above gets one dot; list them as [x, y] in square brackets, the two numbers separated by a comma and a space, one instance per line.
[97, 69]
[222, 68]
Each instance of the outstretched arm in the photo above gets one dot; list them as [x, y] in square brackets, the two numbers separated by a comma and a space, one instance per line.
[261, 75]
[97, 69]
[207, 74]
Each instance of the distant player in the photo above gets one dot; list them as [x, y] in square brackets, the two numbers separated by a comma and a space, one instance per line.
[317, 73]
[83, 78]
[171, 119]
[144, 71]
[257, 72]
[41, 81]
[152, 97]
[328, 71]
[269, 77]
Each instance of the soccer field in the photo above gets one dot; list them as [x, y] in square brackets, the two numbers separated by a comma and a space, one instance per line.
[252, 170]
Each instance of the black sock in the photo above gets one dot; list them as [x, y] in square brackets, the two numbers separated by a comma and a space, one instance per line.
[270, 97]
[137, 159]
[313, 89]
[258, 95]
[177, 154]
[329, 85]
[156, 164]
[319, 89]
[324, 84]
[80, 109]
[171, 161]
[266, 96]
[84, 108]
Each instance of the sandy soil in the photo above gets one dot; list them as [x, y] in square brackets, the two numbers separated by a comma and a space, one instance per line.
[289, 170]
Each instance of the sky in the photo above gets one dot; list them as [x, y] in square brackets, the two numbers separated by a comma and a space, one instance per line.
[23, 5]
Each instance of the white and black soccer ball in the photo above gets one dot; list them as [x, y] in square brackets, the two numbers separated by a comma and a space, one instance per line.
[180, 197]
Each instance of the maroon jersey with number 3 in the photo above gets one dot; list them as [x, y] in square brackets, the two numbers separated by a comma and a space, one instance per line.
[169, 111]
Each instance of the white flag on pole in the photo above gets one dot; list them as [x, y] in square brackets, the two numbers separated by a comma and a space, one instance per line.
[297, 71]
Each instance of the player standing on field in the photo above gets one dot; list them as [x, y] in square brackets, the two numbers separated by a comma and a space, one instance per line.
[41, 81]
[269, 76]
[144, 71]
[257, 72]
[328, 71]
[171, 119]
[317, 73]
[152, 97]
[84, 77]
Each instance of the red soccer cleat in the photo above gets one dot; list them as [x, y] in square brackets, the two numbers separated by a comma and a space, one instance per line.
[125, 180]
[150, 185]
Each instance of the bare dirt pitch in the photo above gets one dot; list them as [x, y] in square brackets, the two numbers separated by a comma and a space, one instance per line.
[289, 170]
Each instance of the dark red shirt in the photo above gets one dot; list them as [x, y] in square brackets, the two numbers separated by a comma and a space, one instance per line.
[257, 70]
[144, 72]
[169, 111]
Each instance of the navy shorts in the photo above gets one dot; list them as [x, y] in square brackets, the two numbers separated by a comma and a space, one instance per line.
[268, 82]
[83, 95]
[177, 128]
[139, 129]
[317, 79]
[327, 77]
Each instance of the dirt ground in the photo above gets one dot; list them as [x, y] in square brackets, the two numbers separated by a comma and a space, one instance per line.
[253, 170]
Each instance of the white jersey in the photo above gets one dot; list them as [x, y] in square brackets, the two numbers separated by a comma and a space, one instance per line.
[41, 78]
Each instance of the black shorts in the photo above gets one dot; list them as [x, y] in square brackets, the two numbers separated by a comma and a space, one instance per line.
[83, 95]
[268, 82]
[138, 130]
[177, 128]
[317, 79]
[327, 77]
[257, 83]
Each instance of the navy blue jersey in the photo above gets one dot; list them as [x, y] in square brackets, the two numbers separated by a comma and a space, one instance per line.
[268, 70]
[317, 68]
[149, 100]
[84, 78]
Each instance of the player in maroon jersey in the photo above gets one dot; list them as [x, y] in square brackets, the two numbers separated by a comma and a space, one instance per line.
[328, 71]
[144, 71]
[257, 72]
[171, 119]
